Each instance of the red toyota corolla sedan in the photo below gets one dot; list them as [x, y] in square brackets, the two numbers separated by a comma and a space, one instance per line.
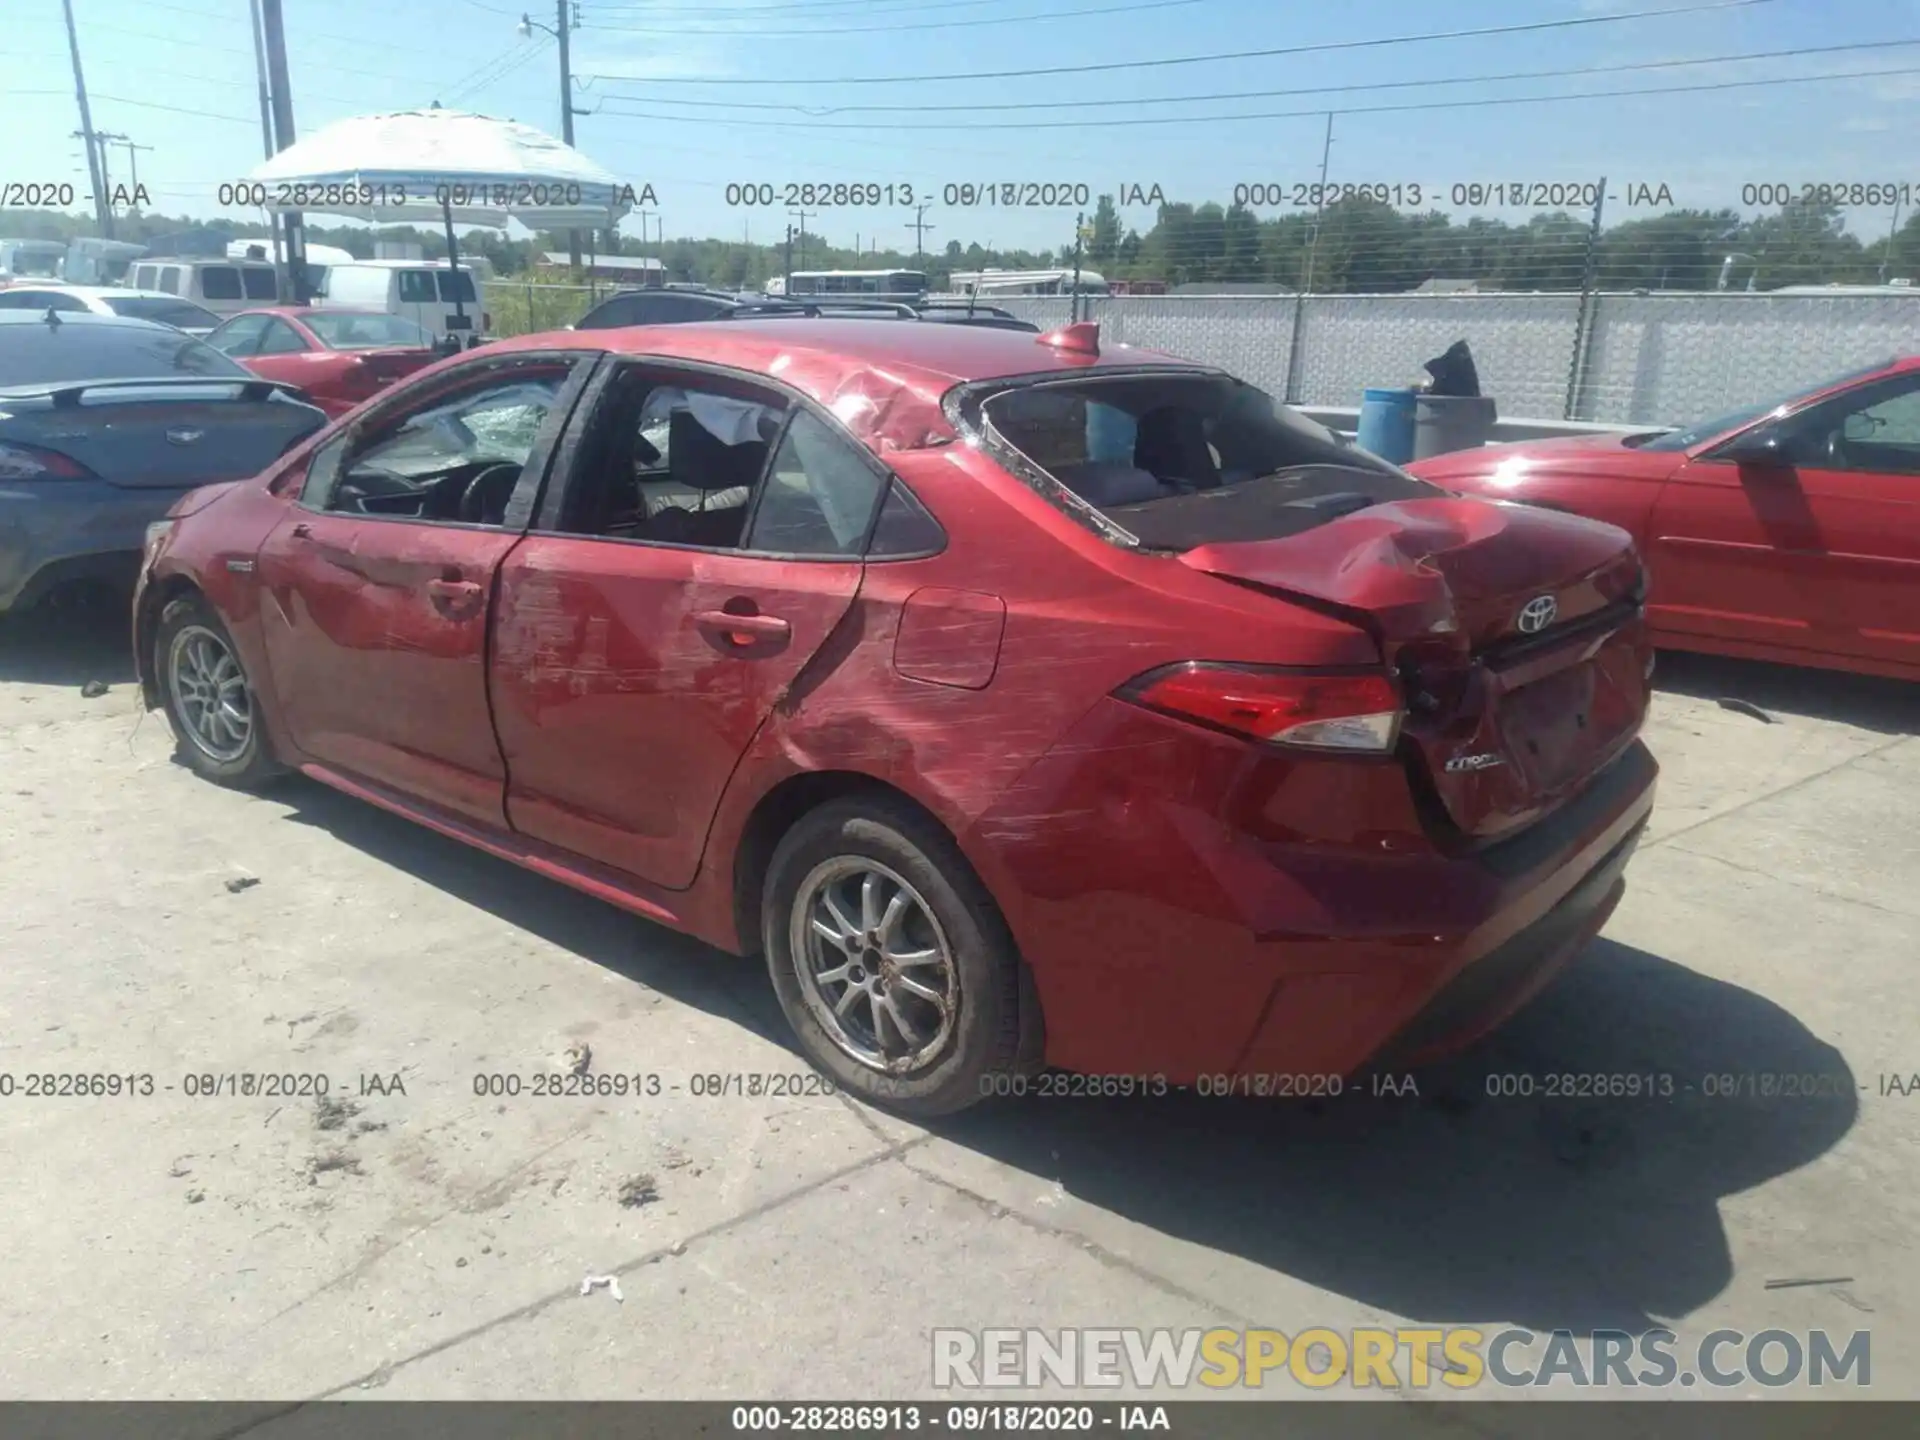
[339, 358]
[1788, 531]
[1025, 703]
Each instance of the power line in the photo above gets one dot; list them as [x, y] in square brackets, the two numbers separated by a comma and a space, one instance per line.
[911, 25]
[1794, 53]
[822, 7]
[1323, 47]
[1302, 114]
[496, 70]
[145, 105]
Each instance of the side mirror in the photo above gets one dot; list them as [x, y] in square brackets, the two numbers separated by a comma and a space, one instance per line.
[1757, 447]
[1861, 425]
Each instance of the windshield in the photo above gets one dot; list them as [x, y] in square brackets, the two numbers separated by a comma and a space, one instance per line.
[499, 425]
[181, 314]
[1697, 434]
[42, 354]
[343, 330]
[40, 265]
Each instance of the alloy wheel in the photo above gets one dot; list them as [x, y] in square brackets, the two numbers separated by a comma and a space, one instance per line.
[210, 693]
[874, 965]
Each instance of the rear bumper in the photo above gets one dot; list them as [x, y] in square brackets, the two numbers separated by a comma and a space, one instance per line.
[1166, 942]
[57, 531]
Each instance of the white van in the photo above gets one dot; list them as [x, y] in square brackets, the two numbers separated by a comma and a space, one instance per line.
[225, 287]
[421, 290]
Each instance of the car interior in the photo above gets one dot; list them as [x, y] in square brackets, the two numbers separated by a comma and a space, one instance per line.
[1181, 461]
[673, 463]
[1881, 437]
[458, 462]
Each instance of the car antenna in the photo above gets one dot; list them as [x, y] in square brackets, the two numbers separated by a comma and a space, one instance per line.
[53, 317]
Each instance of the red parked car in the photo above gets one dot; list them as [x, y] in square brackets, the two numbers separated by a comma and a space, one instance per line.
[340, 358]
[1221, 753]
[1788, 531]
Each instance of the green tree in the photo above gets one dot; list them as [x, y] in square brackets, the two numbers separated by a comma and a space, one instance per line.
[1104, 247]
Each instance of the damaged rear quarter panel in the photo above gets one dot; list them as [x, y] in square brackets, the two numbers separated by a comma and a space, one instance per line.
[1082, 618]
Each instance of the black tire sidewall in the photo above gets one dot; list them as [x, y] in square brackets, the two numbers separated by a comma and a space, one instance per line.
[985, 1038]
[255, 764]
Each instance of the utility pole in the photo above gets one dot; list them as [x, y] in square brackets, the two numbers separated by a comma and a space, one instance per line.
[802, 216]
[1079, 231]
[789, 285]
[274, 35]
[566, 107]
[1583, 317]
[561, 30]
[1893, 232]
[919, 228]
[96, 144]
[266, 123]
[102, 211]
[1292, 395]
[133, 162]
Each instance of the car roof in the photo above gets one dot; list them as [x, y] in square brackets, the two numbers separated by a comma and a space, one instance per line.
[84, 317]
[197, 260]
[884, 382]
[941, 354]
[101, 292]
[302, 312]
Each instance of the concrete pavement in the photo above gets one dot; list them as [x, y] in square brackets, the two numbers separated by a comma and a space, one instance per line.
[432, 1243]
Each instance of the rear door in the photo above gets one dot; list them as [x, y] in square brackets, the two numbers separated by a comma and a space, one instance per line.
[378, 579]
[677, 583]
[1820, 552]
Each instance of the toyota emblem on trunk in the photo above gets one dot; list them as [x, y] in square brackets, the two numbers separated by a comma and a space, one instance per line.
[1537, 614]
[183, 437]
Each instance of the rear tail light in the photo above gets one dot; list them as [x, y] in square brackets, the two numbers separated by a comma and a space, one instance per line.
[30, 462]
[1352, 713]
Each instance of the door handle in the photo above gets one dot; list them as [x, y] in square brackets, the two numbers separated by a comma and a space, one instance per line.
[302, 531]
[459, 596]
[743, 630]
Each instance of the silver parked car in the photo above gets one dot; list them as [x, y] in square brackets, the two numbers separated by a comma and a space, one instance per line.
[104, 423]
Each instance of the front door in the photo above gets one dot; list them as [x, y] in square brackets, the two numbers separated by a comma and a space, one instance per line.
[1818, 552]
[678, 584]
[377, 584]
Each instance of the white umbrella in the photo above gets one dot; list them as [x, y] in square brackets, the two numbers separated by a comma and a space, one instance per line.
[435, 164]
[444, 165]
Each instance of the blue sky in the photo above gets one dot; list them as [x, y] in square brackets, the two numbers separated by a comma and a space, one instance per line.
[689, 96]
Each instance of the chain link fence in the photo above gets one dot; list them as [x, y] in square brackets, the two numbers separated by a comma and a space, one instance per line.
[1607, 358]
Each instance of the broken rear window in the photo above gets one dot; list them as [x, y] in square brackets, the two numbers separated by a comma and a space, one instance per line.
[1183, 460]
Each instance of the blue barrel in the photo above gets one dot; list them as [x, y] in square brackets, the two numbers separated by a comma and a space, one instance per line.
[1387, 424]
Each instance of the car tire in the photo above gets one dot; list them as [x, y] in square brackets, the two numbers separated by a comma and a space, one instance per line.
[207, 693]
[819, 870]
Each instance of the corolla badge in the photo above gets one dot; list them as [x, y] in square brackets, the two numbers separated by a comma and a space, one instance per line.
[1537, 614]
[183, 436]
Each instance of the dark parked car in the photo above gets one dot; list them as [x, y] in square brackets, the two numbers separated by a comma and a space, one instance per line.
[104, 423]
[675, 307]
[1224, 754]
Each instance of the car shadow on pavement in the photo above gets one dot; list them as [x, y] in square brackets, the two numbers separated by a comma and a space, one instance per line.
[675, 965]
[1890, 707]
[1469, 1203]
[1461, 1203]
[67, 645]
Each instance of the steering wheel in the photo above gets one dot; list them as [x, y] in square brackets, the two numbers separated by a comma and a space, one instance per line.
[370, 481]
[494, 482]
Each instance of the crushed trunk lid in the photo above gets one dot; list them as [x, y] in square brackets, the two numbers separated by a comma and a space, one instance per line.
[1516, 631]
